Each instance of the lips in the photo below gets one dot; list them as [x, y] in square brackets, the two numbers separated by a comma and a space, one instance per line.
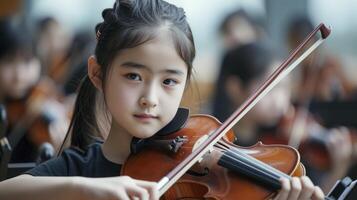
[145, 116]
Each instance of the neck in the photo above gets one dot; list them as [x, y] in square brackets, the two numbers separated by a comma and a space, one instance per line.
[116, 147]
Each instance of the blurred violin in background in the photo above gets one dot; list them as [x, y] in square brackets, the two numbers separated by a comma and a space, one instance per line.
[35, 113]
[312, 140]
[40, 114]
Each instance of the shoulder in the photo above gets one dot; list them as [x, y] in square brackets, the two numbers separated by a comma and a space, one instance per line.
[71, 162]
[78, 155]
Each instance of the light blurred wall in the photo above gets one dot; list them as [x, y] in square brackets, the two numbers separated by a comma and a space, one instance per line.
[74, 14]
[341, 16]
[205, 16]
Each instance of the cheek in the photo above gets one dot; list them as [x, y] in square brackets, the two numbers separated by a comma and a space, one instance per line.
[119, 98]
[169, 104]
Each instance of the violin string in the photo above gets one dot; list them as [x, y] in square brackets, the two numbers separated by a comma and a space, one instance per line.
[259, 163]
[238, 159]
[252, 171]
[232, 156]
[221, 145]
[248, 169]
[238, 155]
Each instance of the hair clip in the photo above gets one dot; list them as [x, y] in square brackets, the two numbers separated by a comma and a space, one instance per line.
[98, 35]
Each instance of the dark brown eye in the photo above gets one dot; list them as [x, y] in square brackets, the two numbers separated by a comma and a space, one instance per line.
[133, 76]
[170, 82]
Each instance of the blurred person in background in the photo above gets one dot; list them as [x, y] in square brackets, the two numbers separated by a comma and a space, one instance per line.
[52, 42]
[322, 82]
[35, 115]
[237, 28]
[321, 76]
[271, 119]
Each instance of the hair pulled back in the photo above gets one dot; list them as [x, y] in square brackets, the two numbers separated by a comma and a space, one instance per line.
[128, 24]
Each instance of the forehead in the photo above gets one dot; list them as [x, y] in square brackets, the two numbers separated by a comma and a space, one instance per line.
[160, 52]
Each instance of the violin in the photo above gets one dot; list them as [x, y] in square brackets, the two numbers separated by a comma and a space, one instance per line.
[312, 144]
[224, 169]
[207, 165]
[33, 116]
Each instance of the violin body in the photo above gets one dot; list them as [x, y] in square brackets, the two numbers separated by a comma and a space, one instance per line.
[34, 116]
[37, 130]
[216, 182]
[313, 146]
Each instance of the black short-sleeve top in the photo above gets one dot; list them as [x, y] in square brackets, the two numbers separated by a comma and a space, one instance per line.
[74, 162]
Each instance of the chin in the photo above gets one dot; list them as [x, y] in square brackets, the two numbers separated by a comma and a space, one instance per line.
[143, 134]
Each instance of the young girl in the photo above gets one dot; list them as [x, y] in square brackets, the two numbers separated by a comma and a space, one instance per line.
[142, 64]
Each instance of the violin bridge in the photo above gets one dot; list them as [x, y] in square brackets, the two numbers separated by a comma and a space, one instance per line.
[198, 143]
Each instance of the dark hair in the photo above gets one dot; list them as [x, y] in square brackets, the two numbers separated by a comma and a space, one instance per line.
[247, 62]
[14, 42]
[128, 24]
[299, 28]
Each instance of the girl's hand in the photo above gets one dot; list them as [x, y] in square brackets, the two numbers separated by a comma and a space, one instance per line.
[116, 188]
[300, 188]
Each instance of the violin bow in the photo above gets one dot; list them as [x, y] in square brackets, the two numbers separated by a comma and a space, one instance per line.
[283, 70]
[299, 126]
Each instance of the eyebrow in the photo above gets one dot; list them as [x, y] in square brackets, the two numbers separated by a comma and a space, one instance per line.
[130, 64]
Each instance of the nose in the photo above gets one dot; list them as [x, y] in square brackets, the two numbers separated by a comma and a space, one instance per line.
[147, 103]
[150, 97]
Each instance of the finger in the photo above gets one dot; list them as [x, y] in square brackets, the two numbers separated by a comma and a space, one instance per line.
[307, 188]
[122, 195]
[318, 194]
[285, 189]
[295, 188]
[139, 192]
[151, 187]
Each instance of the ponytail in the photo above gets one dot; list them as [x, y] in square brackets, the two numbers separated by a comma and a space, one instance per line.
[83, 129]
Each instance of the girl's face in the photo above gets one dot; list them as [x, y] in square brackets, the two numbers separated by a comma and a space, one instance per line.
[145, 86]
